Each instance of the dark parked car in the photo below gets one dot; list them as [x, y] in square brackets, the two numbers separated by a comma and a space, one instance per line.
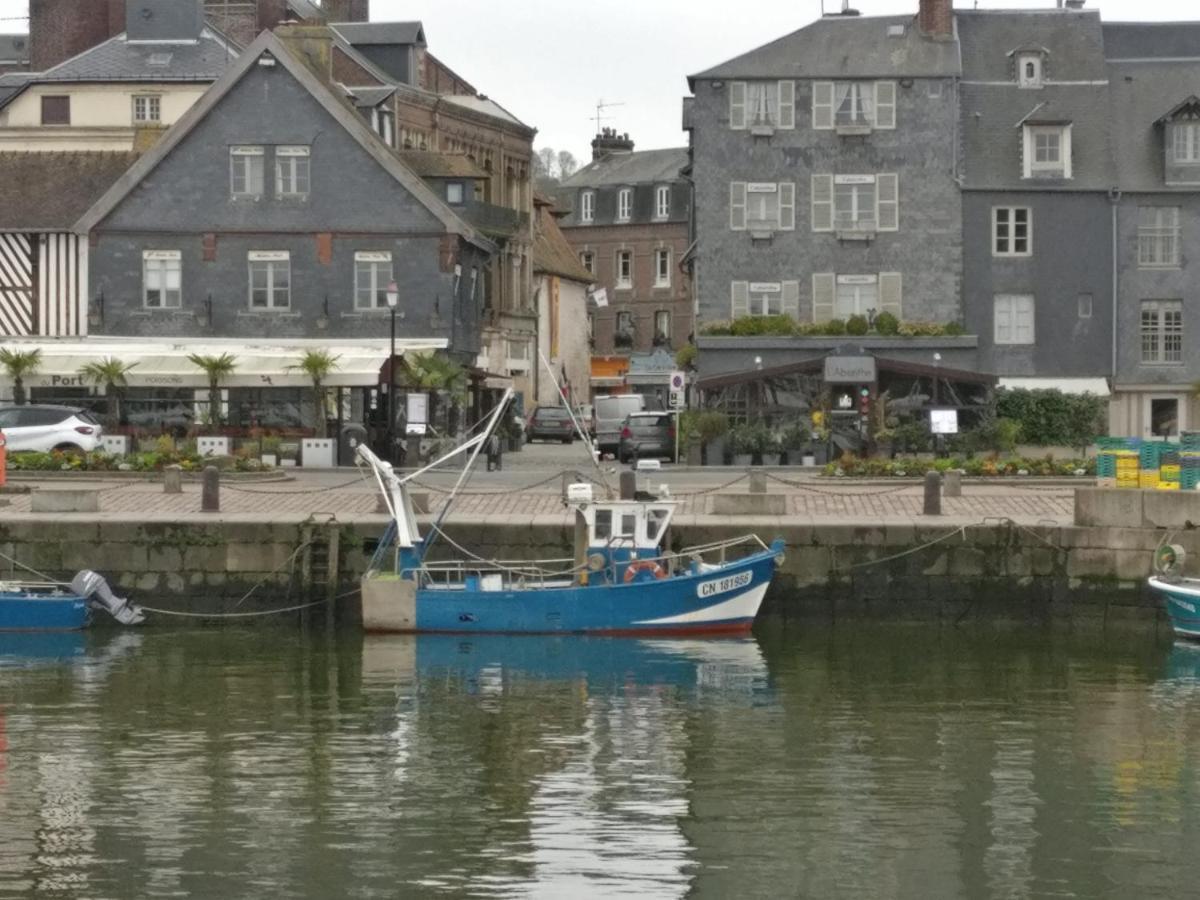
[647, 435]
[550, 423]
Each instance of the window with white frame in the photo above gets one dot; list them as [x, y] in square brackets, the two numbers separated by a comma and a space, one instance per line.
[854, 105]
[855, 203]
[384, 124]
[764, 298]
[624, 268]
[1158, 237]
[1185, 142]
[519, 354]
[623, 331]
[270, 279]
[292, 172]
[857, 295]
[1013, 317]
[147, 109]
[762, 104]
[246, 171]
[1029, 70]
[587, 206]
[1162, 332]
[372, 275]
[762, 206]
[662, 201]
[587, 259]
[662, 325]
[662, 267]
[454, 193]
[162, 272]
[1047, 151]
[624, 204]
[1011, 227]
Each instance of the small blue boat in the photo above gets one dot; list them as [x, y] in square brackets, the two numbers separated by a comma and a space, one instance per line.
[621, 581]
[31, 606]
[1181, 595]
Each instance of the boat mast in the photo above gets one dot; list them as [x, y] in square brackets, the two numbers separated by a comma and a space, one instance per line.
[578, 428]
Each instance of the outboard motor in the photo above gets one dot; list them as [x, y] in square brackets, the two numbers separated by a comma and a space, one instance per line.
[92, 585]
[1169, 560]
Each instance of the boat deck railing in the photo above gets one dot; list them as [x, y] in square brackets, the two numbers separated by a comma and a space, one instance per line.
[523, 575]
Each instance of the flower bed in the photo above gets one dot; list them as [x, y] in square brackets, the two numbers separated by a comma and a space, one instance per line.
[976, 466]
[151, 461]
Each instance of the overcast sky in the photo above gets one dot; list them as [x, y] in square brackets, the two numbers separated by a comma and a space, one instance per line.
[550, 61]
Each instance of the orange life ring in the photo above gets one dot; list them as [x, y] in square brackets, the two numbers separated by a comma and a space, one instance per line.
[643, 565]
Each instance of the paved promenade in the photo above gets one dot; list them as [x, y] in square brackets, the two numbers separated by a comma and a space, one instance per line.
[526, 494]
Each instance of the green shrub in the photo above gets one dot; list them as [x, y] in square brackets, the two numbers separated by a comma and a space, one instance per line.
[749, 326]
[886, 323]
[857, 325]
[834, 327]
[987, 467]
[685, 357]
[716, 329]
[1052, 418]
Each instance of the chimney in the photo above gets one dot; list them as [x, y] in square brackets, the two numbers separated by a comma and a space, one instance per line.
[346, 10]
[163, 20]
[312, 44]
[936, 19]
[60, 29]
[608, 142]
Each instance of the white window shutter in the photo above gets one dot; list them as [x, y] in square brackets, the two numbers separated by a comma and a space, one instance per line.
[740, 295]
[822, 105]
[887, 200]
[1027, 152]
[791, 299]
[1024, 321]
[822, 203]
[885, 104]
[1002, 314]
[787, 104]
[737, 104]
[890, 293]
[1066, 151]
[824, 288]
[787, 206]
[737, 206]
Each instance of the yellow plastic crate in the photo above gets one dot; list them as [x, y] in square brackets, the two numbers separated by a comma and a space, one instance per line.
[1168, 485]
[1148, 479]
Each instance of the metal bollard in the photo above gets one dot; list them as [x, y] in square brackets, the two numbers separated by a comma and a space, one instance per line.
[758, 482]
[210, 490]
[172, 480]
[952, 485]
[933, 494]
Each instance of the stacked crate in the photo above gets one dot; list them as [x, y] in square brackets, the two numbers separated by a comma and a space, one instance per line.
[1189, 461]
[1169, 468]
[1127, 469]
[1149, 459]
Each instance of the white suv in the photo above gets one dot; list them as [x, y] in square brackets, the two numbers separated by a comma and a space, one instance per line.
[46, 428]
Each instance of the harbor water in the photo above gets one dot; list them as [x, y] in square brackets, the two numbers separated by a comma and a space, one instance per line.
[848, 760]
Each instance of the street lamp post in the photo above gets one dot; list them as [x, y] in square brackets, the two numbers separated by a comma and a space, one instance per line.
[393, 297]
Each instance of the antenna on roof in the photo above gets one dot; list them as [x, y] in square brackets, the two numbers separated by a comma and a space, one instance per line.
[600, 107]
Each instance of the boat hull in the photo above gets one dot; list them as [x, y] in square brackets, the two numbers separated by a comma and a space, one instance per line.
[28, 611]
[1182, 600]
[724, 601]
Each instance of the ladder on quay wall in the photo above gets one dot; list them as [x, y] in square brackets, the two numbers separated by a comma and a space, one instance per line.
[320, 563]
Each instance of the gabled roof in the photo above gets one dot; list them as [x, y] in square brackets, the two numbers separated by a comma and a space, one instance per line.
[428, 164]
[1191, 106]
[119, 60]
[851, 46]
[1151, 40]
[381, 32]
[340, 109]
[11, 84]
[1072, 40]
[484, 105]
[641, 167]
[370, 96]
[1139, 92]
[551, 252]
[49, 191]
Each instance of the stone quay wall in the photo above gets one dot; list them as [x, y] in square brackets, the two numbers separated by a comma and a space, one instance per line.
[934, 571]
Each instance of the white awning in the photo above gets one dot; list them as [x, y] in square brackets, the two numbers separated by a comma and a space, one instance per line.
[258, 363]
[1097, 386]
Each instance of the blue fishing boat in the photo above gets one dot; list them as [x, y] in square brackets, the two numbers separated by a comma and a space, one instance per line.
[1180, 594]
[61, 606]
[622, 579]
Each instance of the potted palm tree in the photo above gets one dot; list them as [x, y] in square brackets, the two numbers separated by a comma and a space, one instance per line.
[438, 375]
[19, 365]
[216, 369]
[112, 375]
[318, 365]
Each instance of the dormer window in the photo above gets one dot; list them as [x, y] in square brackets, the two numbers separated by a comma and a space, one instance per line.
[587, 206]
[1047, 151]
[1186, 143]
[1029, 70]
[624, 204]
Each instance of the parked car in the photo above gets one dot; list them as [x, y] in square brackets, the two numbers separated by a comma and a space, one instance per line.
[610, 415]
[647, 435]
[550, 423]
[45, 428]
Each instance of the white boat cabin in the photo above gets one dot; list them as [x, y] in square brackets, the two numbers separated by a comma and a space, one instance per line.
[638, 525]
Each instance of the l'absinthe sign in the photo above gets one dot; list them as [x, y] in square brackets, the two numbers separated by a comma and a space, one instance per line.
[849, 369]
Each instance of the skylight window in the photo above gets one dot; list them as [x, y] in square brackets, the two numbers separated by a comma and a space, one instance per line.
[159, 59]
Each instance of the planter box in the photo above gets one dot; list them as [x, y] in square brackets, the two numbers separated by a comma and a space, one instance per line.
[115, 444]
[317, 453]
[269, 459]
[213, 445]
[770, 459]
[743, 459]
[287, 463]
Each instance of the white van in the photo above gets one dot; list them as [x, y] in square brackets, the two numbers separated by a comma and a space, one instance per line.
[610, 412]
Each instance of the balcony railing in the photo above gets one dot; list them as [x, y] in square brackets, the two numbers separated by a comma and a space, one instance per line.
[496, 220]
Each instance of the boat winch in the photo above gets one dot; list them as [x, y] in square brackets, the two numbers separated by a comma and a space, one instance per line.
[1169, 562]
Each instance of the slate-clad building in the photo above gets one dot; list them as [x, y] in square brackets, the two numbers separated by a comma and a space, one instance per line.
[824, 167]
[1037, 170]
